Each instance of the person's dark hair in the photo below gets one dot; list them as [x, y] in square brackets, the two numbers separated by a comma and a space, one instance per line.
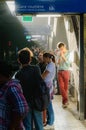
[5, 69]
[24, 56]
[51, 56]
[60, 45]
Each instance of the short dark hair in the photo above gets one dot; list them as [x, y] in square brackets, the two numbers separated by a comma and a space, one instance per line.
[49, 56]
[24, 56]
[61, 44]
[5, 69]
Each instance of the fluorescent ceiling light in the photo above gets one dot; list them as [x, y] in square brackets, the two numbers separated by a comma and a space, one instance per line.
[48, 15]
[36, 36]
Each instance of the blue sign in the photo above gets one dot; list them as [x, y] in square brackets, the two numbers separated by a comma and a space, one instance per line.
[50, 6]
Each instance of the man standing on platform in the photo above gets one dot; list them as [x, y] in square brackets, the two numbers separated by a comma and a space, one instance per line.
[63, 72]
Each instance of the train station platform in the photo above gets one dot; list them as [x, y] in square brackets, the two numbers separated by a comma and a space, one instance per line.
[66, 118]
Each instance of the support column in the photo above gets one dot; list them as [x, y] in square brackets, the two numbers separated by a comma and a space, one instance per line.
[81, 83]
[85, 60]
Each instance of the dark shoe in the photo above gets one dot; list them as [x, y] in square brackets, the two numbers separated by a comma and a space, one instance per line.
[44, 124]
[64, 105]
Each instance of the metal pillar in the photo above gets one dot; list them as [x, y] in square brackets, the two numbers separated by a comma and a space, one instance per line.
[81, 83]
[85, 60]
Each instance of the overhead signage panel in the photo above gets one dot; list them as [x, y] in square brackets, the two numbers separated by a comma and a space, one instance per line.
[58, 6]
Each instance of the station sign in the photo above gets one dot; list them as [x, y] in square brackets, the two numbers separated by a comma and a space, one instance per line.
[50, 6]
[27, 18]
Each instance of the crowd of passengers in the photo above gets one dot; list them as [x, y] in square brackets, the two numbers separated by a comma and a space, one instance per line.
[16, 111]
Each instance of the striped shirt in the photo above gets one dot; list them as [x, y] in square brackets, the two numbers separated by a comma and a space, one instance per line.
[12, 102]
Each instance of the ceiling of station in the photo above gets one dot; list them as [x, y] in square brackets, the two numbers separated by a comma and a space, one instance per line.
[37, 26]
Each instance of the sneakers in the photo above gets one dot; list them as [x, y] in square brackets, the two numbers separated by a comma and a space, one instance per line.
[49, 127]
[65, 105]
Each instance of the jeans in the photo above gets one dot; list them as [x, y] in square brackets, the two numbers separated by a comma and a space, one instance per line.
[50, 114]
[33, 116]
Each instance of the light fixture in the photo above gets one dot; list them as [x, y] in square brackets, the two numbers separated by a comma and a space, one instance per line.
[36, 36]
[48, 15]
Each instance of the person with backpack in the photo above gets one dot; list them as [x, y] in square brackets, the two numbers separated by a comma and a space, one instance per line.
[13, 105]
[27, 76]
[48, 76]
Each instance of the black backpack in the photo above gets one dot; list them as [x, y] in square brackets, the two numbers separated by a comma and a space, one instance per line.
[41, 96]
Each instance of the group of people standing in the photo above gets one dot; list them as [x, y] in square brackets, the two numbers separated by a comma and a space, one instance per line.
[16, 111]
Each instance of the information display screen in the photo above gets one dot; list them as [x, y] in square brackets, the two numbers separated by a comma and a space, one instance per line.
[58, 6]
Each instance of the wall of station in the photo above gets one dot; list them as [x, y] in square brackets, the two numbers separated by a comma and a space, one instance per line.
[85, 60]
[85, 49]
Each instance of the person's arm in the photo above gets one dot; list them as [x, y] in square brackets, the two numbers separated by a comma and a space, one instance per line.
[45, 73]
[19, 107]
[64, 58]
[59, 61]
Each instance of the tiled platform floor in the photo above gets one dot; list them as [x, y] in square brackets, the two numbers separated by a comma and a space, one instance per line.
[66, 119]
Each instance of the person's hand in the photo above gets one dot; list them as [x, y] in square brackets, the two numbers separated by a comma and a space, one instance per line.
[59, 61]
[61, 54]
